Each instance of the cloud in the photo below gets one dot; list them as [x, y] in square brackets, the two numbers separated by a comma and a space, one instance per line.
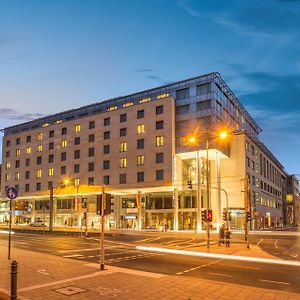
[11, 114]
[145, 70]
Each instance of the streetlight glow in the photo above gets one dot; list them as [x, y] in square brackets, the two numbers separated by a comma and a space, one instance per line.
[223, 135]
[192, 140]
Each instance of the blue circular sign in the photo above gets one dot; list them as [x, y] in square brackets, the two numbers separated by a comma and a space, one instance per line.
[11, 193]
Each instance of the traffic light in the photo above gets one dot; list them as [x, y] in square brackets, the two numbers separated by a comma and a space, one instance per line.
[99, 204]
[248, 215]
[107, 204]
[225, 216]
[190, 184]
[209, 215]
[203, 215]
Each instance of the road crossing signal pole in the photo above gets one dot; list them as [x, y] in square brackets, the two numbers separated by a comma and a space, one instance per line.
[102, 217]
[246, 200]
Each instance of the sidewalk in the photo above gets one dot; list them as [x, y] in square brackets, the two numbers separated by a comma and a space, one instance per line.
[48, 277]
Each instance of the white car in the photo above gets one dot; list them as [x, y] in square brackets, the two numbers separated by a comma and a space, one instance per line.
[38, 223]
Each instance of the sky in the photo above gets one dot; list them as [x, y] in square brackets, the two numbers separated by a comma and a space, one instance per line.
[63, 54]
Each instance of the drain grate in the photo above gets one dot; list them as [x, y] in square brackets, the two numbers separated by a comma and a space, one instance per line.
[70, 290]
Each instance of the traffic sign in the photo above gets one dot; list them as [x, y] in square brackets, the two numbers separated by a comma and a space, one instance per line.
[11, 193]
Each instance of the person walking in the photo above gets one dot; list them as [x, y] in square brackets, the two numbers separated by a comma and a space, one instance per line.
[227, 237]
[221, 234]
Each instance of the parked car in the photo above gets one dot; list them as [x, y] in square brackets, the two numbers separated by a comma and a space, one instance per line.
[38, 223]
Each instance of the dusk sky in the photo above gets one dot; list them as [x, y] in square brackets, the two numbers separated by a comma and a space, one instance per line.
[63, 54]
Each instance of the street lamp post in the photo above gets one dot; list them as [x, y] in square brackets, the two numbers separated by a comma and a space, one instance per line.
[207, 198]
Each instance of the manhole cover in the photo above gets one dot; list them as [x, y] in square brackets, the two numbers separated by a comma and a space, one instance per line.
[70, 290]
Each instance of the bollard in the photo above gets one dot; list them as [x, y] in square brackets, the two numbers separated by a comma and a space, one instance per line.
[13, 280]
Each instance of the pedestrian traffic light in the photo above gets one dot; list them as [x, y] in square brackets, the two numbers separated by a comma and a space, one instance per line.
[107, 204]
[190, 184]
[209, 215]
[248, 215]
[203, 215]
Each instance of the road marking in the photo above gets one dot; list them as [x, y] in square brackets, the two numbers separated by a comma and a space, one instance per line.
[219, 274]
[244, 267]
[259, 242]
[72, 255]
[22, 243]
[276, 244]
[42, 272]
[78, 250]
[199, 267]
[222, 256]
[272, 281]
[294, 255]
[148, 240]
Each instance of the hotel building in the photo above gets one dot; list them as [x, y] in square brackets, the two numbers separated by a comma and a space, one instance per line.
[139, 147]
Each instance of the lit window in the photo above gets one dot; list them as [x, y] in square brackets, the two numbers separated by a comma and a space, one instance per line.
[159, 141]
[77, 128]
[64, 143]
[58, 122]
[76, 182]
[7, 166]
[28, 150]
[140, 160]
[112, 108]
[40, 148]
[123, 162]
[39, 173]
[123, 146]
[50, 172]
[45, 125]
[141, 128]
[144, 100]
[162, 96]
[127, 104]
[18, 152]
[17, 176]
[40, 136]
[7, 177]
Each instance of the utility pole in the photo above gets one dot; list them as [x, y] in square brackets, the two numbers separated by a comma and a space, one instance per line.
[51, 208]
[102, 217]
[207, 196]
[246, 202]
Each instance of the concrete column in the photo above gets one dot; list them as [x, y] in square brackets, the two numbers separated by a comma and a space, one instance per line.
[218, 191]
[198, 170]
[175, 206]
[139, 212]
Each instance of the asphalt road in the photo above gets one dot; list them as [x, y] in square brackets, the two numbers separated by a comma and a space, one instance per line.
[121, 251]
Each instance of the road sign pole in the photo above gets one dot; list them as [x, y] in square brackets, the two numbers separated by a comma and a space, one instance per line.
[9, 231]
[102, 251]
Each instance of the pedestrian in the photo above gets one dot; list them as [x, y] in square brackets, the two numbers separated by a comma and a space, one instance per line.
[221, 234]
[227, 237]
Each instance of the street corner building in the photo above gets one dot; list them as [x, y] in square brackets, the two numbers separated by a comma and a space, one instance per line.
[166, 156]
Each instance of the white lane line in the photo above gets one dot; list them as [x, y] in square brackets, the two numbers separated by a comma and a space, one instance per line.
[259, 242]
[148, 240]
[218, 274]
[73, 255]
[22, 243]
[244, 267]
[78, 250]
[272, 281]
[199, 267]
[222, 256]
[276, 246]
[294, 255]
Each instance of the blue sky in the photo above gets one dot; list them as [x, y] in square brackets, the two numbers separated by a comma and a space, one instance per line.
[62, 54]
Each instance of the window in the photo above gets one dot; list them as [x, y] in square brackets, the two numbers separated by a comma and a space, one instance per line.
[28, 150]
[123, 162]
[91, 152]
[40, 136]
[63, 170]
[140, 114]
[123, 146]
[140, 177]
[91, 167]
[252, 150]
[159, 141]
[106, 135]
[27, 175]
[7, 166]
[38, 186]
[27, 162]
[7, 143]
[106, 179]
[182, 94]
[39, 148]
[122, 178]
[17, 176]
[51, 133]
[64, 143]
[77, 141]
[160, 175]
[76, 168]
[17, 164]
[106, 149]
[140, 160]
[91, 181]
[39, 160]
[203, 89]
[204, 105]
[7, 177]
[140, 144]
[123, 118]
[141, 128]
[91, 138]
[63, 156]
[27, 187]
[28, 138]
[123, 132]
[39, 173]
[50, 172]
[159, 109]
[77, 128]
[76, 154]
[183, 109]
[18, 152]
[64, 131]
[50, 158]
[106, 165]
[51, 146]
[159, 158]
[106, 121]
[7, 154]
[159, 125]
[50, 184]
[91, 124]
[76, 182]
